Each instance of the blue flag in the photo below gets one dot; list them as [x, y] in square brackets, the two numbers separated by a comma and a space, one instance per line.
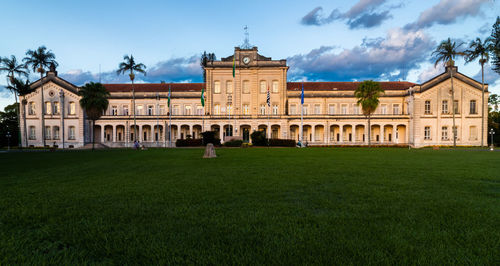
[302, 95]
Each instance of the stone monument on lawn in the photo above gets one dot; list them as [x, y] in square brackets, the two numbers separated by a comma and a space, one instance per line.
[209, 151]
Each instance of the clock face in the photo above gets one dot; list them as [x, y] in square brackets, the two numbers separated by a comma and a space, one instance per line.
[246, 59]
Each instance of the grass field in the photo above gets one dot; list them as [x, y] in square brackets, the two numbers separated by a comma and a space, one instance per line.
[251, 206]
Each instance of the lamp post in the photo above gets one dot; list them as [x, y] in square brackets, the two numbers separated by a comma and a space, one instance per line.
[492, 132]
[8, 140]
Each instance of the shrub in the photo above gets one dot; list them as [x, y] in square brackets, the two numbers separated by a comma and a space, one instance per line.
[282, 142]
[188, 142]
[209, 137]
[233, 143]
[259, 138]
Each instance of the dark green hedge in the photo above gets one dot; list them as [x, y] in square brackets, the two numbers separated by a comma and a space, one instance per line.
[282, 142]
[188, 142]
[233, 143]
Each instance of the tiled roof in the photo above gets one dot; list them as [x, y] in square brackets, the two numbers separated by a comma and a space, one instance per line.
[154, 87]
[345, 86]
[291, 86]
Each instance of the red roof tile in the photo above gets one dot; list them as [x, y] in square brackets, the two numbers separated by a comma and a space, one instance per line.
[345, 86]
[291, 86]
[154, 87]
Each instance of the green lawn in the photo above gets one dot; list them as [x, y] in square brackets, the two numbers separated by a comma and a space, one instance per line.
[251, 206]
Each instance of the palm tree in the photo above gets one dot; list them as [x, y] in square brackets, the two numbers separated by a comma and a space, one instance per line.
[94, 101]
[478, 48]
[21, 88]
[39, 60]
[129, 64]
[367, 94]
[494, 101]
[445, 53]
[13, 68]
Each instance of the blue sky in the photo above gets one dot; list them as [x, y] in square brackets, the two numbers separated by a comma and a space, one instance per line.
[322, 40]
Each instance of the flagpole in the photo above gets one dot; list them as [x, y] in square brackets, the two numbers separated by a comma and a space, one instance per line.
[302, 117]
[158, 118]
[170, 119]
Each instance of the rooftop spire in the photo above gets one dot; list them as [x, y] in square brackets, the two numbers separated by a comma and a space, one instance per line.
[246, 43]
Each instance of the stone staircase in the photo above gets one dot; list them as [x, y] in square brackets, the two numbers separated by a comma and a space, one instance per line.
[96, 146]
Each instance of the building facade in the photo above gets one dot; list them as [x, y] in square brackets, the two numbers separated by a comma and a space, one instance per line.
[236, 103]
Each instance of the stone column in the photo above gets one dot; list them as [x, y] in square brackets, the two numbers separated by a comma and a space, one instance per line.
[221, 132]
[341, 133]
[178, 132]
[382, 133]
[366, 134]
[102, 133]
[394, 128]
[191, 131]
[313, 130]
[114, 133]
[140, 135]
[353, 128]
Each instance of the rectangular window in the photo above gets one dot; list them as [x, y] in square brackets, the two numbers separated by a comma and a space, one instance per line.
[187, 110]
[395, 109]
[427, 133]
[72, 108]
[175, 110]
[230, 109]
[344, 109]
[427, 108]
[246, 86]
[217, 87]
[47, 132]
[229, 87]
[275, 109]
[317, 109]
[444, 133]
[57, 108]
[199, 110]
[263, 88]
[31, 108]
[55, 130]
[246, 109]
[472, 105]
[383, 109]
[48, 108]
[331, 109]
[304, 109]
[275, 86]
[217, 109]
[32, 132]
[293, 109]
[114, 110]
[162, 109]
[456, 108]
[138, 110]
[444, 107]
[355, 109]
[151, 109]
[125, 110]
[262, 109]
[71, 132]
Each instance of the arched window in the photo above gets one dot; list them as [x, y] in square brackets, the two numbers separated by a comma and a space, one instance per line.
[275, 86]
[263, 88]
[48, 108]
[246, 86]
[229, 87]
[31, 108]
[217, 86]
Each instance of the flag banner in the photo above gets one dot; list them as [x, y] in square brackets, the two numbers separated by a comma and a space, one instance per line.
[202, 98]
[234, 66]
[302, 95]
[169, 96]
[268, 97]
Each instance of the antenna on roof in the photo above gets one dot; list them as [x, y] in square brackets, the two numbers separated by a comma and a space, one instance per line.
[246, 42]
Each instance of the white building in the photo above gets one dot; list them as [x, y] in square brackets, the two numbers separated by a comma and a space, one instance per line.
[409, 114]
